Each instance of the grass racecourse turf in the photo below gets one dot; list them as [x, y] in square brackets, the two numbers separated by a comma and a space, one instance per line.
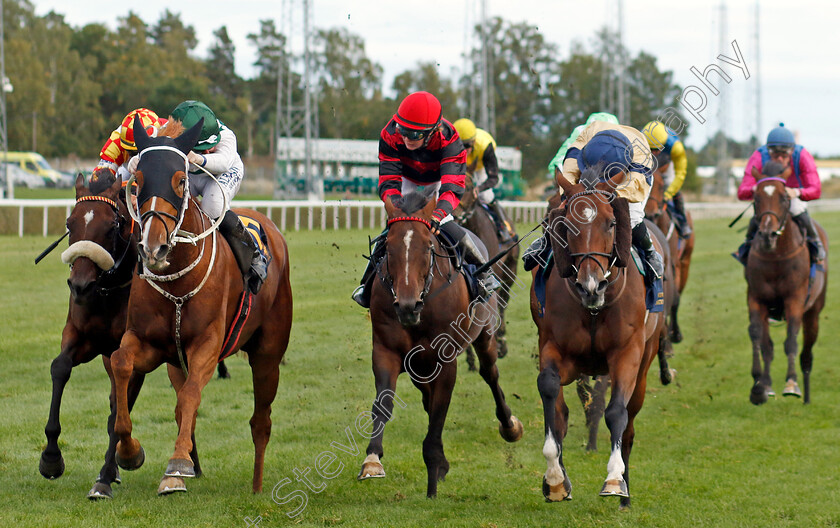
[703, 456]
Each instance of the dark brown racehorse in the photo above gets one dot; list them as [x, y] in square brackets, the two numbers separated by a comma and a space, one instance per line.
[477, 219]
[780, 285]
[422, 318]
[102, 257]
[594, 323]
[681, 249]
[181, 308]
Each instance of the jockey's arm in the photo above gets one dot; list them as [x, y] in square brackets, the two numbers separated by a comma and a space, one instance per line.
[745, 189]
[224, 154]
[680, 161]
[390, 171]
[491, 167]
[811, 188]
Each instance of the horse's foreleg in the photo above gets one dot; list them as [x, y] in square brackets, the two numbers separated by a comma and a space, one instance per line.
[177, 378]
[439, 396]
[201, 369]
[109, 472]
[486, 347]
[556, 485]
[51, 465]
[265, 370]
[793, 314]
[762, 348]
[130, 453]
[386, 368]
[624, 374]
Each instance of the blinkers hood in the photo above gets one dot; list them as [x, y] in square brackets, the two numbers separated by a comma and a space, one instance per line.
[158, 165]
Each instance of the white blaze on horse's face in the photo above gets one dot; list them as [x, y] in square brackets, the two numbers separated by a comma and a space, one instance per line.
[769, 190]
[88, 218]
[589, 213]
[407, 239]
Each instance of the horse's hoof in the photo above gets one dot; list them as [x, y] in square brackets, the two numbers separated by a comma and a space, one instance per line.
[676, 337]
[792, 389]
[758, 395]
[666, 376]
[51, 469]
[179, 467]
[615, 488]
[557, 492]
[100, 490]
[371, 468]
[132, 463]
[514, 433]
[503, 349]
[171, 485]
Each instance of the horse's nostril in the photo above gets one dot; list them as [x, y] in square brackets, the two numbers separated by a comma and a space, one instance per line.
[602, 286]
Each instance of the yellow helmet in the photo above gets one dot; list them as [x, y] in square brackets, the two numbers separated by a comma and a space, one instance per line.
[657, 135]
[466, 129]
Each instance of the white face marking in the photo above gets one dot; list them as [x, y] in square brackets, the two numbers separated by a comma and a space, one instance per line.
[407, 240]
[589, 213]
[551, 452]
[615, 467]
[591, 284]
[88, 217]
[769, 190]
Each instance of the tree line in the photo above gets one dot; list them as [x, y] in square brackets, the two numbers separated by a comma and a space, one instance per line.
[72, 86]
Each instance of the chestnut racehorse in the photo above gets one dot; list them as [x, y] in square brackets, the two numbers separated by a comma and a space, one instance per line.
[781, 284]
[182, 306]
[477, 219]
[594, 323]
[681, 248]
[422, 318]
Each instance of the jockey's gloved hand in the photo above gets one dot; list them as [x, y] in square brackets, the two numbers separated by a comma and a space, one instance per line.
[132, 164]
[437, 215]
[196, 159]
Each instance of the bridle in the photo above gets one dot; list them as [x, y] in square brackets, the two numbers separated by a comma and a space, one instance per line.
[384, 273]
[781, 219]
[109, 274]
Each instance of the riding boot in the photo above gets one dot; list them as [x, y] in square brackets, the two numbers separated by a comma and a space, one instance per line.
[683, 228]
[642, 240]
[362, 293]
[487, 282]
[804, 221]
[498, 214]
[251, 262]
[743, 251]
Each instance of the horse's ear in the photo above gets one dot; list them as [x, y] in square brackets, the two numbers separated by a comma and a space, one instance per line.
[561, 180]
[81, 188]
[558, 234]
[390, 208]
[141, 138]
[186, 141]
[756, 174]
[430, 206]
[785, 175]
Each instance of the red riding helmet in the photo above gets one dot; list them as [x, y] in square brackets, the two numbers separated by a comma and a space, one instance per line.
[418, 115]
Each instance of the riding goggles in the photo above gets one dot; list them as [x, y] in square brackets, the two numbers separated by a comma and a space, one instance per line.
[413, 134]
[780, 150]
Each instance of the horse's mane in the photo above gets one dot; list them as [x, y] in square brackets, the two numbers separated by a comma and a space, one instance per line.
[772, 168]
[412, 202]
[171, 129]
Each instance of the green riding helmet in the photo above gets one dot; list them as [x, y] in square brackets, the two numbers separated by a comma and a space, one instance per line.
[189, 113]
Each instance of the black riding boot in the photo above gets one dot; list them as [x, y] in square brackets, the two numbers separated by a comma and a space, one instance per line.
[804, 221]
[642, 240]
[744, 249]
[498, 214]
[362, 293]
[683, 228]
[251, 262]
[487, 282]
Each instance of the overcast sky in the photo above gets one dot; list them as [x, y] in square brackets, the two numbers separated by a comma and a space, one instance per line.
[799, 58]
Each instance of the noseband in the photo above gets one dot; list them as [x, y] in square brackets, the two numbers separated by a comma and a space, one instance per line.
[388, 280]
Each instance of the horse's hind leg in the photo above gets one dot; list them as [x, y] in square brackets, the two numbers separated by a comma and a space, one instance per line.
[593, 399]
[110, 472]
[265, 370]
[386, 368]
[486, 348]
[810, 331]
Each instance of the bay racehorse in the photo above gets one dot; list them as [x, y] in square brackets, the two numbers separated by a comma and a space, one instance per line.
[422, 318]
[656, 210]
[594, 323]
[182, 307]
[102, 256]
[475, 217]
[782, 284]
